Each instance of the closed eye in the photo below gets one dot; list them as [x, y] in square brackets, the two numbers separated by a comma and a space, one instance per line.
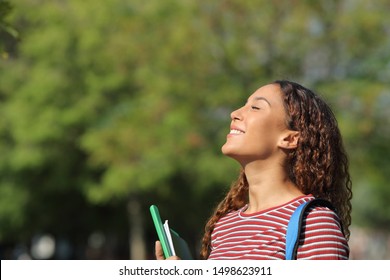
[255, 108]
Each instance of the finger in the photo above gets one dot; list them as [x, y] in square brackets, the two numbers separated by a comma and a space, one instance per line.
[173, 258]
[159, 251]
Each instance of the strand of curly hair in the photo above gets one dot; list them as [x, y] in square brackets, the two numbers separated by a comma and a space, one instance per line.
[319, 166]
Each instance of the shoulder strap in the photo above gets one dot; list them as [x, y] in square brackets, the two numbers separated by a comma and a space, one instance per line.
[295, 225]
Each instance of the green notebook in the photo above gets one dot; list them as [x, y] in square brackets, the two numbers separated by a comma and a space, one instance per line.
[171, 242]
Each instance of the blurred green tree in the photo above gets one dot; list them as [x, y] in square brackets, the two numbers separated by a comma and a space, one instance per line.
[108, 108]
[7, 32]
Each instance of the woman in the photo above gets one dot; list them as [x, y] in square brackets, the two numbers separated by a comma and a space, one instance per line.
[288, 143]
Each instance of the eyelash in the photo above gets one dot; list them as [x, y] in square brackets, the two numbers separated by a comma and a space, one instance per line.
[255, 108]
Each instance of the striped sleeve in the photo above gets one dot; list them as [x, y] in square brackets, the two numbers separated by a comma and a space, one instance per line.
[322, 237]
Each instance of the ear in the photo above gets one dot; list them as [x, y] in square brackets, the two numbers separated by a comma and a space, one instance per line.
[289, 139]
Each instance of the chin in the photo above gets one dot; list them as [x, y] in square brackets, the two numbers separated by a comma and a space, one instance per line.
[228, 152]
[233, 151]
[225, 150]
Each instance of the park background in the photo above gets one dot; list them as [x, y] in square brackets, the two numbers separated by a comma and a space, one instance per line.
[107, 107]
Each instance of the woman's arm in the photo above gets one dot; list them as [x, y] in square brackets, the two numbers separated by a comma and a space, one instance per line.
[322, 237]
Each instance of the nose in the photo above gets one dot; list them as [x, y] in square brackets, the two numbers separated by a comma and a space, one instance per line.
[236, 114]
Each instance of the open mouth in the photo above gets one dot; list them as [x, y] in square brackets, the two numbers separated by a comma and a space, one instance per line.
[236, 131]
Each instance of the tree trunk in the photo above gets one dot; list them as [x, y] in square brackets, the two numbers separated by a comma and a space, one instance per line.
[136, 230]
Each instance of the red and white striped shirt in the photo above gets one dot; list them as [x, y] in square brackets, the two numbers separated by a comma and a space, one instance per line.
[262, 235]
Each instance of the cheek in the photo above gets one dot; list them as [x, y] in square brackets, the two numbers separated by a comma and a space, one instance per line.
[266, 133]
[263, 127]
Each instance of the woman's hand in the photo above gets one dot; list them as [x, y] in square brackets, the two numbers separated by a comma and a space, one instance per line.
[160, 253]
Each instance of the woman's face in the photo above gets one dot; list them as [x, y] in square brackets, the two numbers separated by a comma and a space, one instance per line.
[258, 128]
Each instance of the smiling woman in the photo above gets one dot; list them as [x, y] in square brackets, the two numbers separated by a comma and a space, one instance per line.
[263, 132]
[288, 143]
[289, 146]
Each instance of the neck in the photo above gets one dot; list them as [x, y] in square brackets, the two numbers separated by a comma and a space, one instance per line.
[268, 187]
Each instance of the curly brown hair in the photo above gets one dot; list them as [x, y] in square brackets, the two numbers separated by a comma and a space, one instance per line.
[318, 166]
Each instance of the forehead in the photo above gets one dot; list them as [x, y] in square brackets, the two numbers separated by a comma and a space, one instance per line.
[271, 93]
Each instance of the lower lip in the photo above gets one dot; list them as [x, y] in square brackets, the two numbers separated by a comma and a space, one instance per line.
[232, 135]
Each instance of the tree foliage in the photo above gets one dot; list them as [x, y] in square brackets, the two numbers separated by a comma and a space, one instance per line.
[8, 34]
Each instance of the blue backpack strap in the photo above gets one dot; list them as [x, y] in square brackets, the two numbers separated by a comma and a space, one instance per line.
[295, 226]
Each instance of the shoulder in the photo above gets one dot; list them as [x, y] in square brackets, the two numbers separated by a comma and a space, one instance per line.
[317, 211]
[322, 236]
[324, 216]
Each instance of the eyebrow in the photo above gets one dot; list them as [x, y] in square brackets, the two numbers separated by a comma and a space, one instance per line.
[262, 98]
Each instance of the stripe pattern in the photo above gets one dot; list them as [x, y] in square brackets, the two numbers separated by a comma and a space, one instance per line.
[262, 235]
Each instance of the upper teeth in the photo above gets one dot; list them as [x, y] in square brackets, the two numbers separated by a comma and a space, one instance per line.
[235, 131]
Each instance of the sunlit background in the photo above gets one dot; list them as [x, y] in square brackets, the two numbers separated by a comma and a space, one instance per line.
[107, 107]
